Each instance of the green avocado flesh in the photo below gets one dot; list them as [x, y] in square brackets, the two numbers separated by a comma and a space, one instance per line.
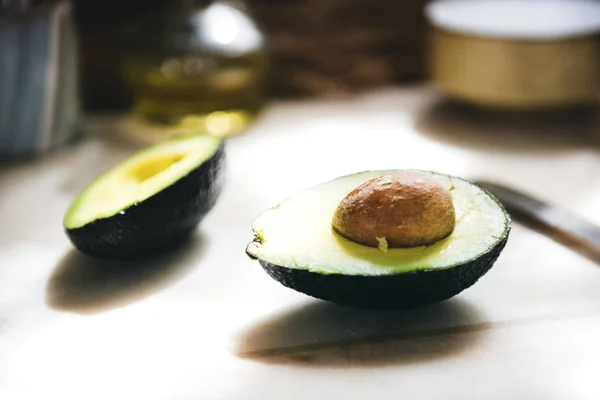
[139, 177]
[297, 233]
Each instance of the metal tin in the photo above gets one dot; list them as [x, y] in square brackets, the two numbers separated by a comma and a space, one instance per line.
[526, 63]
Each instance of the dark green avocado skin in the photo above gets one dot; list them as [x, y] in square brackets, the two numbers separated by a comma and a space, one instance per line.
[158, 223]
[401, 291]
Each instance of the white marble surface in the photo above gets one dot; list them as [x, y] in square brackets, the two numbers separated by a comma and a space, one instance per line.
[207, 323]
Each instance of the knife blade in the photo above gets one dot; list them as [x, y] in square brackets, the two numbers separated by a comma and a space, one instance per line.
[548, 219]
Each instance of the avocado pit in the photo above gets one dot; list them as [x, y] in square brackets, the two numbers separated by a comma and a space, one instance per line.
[402, 209]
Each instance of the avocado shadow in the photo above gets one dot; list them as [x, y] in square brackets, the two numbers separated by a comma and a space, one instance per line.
[86, 285]
[510, 131]
[323, 334]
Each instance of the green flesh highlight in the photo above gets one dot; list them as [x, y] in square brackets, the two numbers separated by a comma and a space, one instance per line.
[139, 177]
[297, 233]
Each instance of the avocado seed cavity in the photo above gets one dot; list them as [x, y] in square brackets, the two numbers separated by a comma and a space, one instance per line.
[403, 209]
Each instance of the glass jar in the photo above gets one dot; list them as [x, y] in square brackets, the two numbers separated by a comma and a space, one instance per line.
[200, 64]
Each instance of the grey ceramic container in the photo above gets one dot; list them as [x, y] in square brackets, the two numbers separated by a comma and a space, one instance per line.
[39, 99]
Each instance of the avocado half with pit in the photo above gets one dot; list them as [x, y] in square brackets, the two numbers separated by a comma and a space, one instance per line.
[149, 202]
[442, 236]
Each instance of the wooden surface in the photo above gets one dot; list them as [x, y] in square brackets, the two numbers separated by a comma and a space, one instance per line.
[207, 323]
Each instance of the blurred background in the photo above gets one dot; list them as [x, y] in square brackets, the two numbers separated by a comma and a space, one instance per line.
[159, 58]
[216, 64]
[310, 48]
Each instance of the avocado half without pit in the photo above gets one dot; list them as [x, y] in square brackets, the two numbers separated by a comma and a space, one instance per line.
[149, 202]
[382, 239]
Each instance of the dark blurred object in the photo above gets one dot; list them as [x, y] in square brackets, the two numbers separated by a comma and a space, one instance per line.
[39, 91]
[337, 47]
[564, 227]
[100, 26]
[22, 5]
[202, 63]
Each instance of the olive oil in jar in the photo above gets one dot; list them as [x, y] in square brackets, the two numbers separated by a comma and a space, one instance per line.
[202, 65]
